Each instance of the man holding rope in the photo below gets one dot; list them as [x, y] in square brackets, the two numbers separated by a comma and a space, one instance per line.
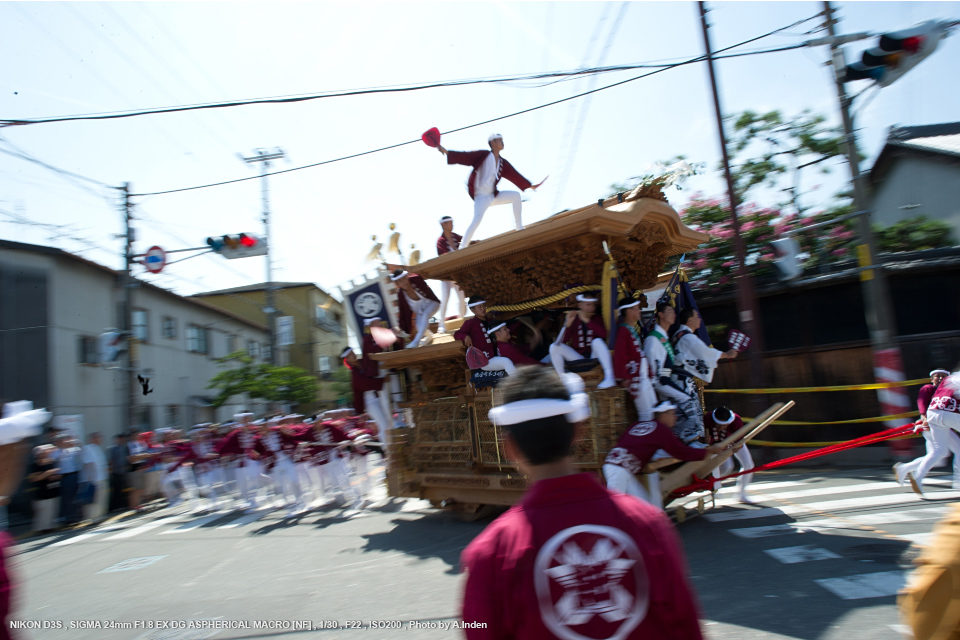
[943, 415]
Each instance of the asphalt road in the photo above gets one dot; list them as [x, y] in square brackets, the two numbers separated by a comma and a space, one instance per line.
[821, 558]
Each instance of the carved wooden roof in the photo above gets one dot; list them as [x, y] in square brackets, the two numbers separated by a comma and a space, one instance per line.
[566, 250]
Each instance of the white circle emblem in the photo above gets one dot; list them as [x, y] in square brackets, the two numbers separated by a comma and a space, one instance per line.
[367, 305]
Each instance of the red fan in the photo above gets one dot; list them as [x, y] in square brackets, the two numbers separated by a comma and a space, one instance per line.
[476, 359]
[383, 337]
[431, 137]
[738, 340]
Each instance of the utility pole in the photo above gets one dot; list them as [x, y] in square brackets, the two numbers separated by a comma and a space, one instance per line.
[887, 361]
[264, 157]
[130, 359]
[746, 297]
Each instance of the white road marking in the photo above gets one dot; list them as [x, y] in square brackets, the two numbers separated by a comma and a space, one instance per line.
[245, 519]
[789, 528]
[129, 533]
[827, 491]
[919, 539]
[868, 585]
[804, 553]
[894, 517]
[190, 526]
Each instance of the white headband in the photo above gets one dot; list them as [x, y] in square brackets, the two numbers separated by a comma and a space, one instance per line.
[664, 406]
[397, 277]
[576, 409]
[21, 421]
[446, 219]
[494, 136]
[584, 298]
[627, 306]
[936, 371]
[718, 421]
[496, 328]
[473, 304]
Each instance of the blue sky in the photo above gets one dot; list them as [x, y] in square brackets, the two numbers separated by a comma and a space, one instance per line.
[68, 58]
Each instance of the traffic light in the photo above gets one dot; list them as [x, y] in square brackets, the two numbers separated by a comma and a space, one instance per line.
[787, 250]
[240, 245]
[896, 53]
[111, 346]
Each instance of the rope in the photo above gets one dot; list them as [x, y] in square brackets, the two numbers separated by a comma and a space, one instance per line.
[700, 484]
[801, 445]
[896, 416]
[846, 387]
[539, 302]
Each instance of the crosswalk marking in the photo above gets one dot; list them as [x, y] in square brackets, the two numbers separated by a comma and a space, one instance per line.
[788, 528]
[826, 491]
[253, 516]
[894, 517]
[868, 585]
[194, 524]
[803, 553]
[129, 533]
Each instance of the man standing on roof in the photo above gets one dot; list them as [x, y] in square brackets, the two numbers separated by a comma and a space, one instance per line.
[447, 242]
[488, 168]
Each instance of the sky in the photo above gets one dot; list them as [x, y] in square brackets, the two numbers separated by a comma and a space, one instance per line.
[83, 57]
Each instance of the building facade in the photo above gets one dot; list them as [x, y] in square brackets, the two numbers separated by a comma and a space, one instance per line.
[55, 306]
[316, 321]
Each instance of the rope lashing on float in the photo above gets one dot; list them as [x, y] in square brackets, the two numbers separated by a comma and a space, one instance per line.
[844, 387]
[702, 484]
[539, 302]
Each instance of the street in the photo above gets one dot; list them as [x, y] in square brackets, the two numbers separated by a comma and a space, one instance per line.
[821, 556]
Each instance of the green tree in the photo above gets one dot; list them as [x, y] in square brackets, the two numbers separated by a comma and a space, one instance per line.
[241, 375]
[914, 234]
[343, 386]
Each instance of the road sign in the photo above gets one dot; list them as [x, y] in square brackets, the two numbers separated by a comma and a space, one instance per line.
[155, 259]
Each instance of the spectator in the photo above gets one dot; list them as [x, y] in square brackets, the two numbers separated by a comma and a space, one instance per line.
[572, 559]
[44, 480]
[69, 464]
[138, 457]
[117, 456]
[95, 473]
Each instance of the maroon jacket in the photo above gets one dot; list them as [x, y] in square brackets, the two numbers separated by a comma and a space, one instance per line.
[444, 247]
[365, 375]
[924, 398]
[515, 354]
[243, 445]
[406, 315]
[477, 330]
[580, 336]
[476, 159]
[636, 447]
[574, 560]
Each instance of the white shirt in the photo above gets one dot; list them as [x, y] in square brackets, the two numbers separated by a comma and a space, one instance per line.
[487, 176]
[69, 460]
[92, 454]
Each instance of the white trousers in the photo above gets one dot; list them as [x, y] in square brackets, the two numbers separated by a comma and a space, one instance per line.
[929, 448]
[361, 470]
[499, 363]
[621, 480]
[941, 444]
[424, 309]
[445, 287]
[285, 477]
[96, 510]
[483, 201]
[746, 463]
[644, 398]
[43, 512]
[248, 479]
[561, 353]
[336, 471]
[377, 405]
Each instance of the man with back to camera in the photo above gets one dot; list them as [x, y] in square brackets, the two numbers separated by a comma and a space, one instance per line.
[447, 242]
[488, 168]
[571, 559]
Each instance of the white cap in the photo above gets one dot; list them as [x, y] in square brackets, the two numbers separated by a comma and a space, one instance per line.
[496, 328]
[494, 136]
[258, 422]
[241, 416]
[585, 298]
[666, 405]
[292, 416]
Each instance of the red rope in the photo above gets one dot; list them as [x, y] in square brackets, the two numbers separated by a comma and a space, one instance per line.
[700, 484]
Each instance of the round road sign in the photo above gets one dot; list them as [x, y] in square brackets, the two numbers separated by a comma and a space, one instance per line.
[155, 259]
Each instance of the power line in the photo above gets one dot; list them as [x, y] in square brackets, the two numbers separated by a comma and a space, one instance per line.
[498, 118]
[562, 75]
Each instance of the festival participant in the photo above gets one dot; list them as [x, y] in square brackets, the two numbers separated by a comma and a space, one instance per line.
[670, 381]
[943, 415]
[583, 336]
[507, 349]
[415, 299]
[630, 365]
[206, 463]
[281, 444]
[247, 452]
[359, 436]
[369, 396]
[447, 242]
[924, 397]
[637, 446]
[571, 559]
[720, 423]
[488, 168]
[475, 332]
[328, 439]
[174, 474]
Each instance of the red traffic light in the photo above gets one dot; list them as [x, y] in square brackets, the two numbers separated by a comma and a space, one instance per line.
[248, 240]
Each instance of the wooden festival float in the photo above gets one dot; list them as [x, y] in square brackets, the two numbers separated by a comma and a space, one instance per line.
[452, 455]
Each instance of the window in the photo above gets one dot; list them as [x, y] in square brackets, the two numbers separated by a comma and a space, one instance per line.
[266, 353]
[140, 330]
[173, 415]
[321, 314]
[197, 339]
[87, 348]
[324, 367]
[169, 327]
[144, 421]
[231, 343]
[253, 349]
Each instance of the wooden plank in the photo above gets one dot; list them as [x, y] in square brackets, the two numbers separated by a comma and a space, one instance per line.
[701, 468]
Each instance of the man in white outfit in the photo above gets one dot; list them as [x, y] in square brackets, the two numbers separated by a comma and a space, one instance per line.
[446, 243]
[583, 337]
[943, 415]
[416, 303]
